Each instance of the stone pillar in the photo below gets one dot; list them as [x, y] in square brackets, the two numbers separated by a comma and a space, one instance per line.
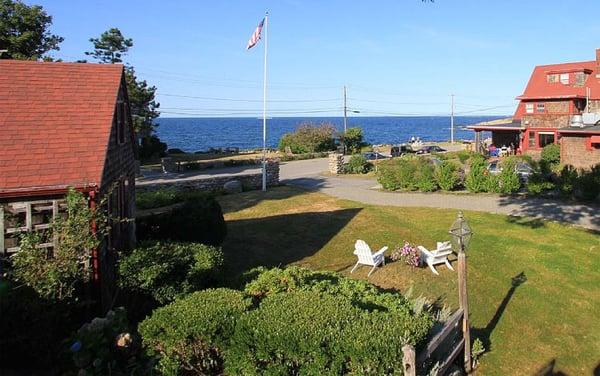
[168, 165]
[336, 163]
[272, 172]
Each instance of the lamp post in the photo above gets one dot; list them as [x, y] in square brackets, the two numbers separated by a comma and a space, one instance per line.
[461, 237]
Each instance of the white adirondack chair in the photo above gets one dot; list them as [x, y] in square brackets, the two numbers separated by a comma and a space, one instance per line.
[437, 256]
[366, 257]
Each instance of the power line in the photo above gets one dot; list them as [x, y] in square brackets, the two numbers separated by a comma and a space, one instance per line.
[250, 100]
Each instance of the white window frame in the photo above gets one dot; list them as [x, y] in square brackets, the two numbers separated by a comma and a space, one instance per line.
[564, 78]
[541, 105]
[529, 108]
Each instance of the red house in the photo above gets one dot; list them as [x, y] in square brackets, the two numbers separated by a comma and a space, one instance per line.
[561, 104]
[65, 125]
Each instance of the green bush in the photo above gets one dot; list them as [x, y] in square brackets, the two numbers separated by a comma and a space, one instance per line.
[310, 333]
[567, 180]
[165, 270]
[200, 220]
[538, 184]
[152, 148]
[447, 176]
[387, 176]
[508, 179]
[477, 178]
[357, 164]
[353, 139]
[191, 335]
[309, 138]
[425, 176]
[165, 197]
[550, 157]
[588, 184]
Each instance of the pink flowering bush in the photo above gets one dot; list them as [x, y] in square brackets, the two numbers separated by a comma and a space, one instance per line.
[407, 253]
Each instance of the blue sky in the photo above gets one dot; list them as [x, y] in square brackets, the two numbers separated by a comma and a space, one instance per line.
[396, 57]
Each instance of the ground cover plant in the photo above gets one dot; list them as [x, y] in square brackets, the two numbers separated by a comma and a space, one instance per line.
[287, 321]
[532, 284]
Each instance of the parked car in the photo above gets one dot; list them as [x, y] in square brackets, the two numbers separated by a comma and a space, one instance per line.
[523, 169]
[371, 156]
[400, 150]
[430, 149]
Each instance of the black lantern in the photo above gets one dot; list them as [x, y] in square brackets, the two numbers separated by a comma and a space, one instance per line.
[461, 233]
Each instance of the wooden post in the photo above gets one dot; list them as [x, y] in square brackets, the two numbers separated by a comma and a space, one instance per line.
[409, 362]
[464, 304]
[1, 230]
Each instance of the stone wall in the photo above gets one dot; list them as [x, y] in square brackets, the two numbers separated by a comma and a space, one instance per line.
[336, 163]
[546, 121]
[250, 181]
[574, 151]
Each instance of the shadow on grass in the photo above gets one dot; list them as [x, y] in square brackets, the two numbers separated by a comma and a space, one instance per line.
[484, 334]
[526, 222]
[548, 370]
[282, 239]
[555, 210]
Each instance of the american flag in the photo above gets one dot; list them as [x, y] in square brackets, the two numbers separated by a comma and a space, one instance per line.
[256, 35]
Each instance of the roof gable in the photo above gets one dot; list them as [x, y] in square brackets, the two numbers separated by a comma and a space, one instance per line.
[55, 123]
[538, 86]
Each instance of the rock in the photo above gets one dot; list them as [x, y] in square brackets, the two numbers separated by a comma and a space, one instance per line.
[233, 186]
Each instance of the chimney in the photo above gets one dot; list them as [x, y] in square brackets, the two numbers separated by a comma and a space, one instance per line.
[597, 62]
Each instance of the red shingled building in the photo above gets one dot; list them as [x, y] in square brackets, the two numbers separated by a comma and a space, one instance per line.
[65, 125]
[561, 104]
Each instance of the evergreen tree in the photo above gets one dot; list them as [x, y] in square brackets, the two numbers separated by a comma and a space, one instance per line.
[24, 31]
[110, 47]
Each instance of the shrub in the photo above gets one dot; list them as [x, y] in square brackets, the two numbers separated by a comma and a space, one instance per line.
[492, 184]
[537, 184]
[106, 346]
[200, 220]
[165, 197]
[408, 254]
[31, 328]
[425, 176]
[357, 164]
[567, 180]
[353, 139]
[309, 138]
[306, 332]
[447, 176]
[152, 148]
[190, 335]
[477, 179]
[387, 177]
[56, 277]
[588, 184]
[166, 270]
[550, 157]
[508, 179]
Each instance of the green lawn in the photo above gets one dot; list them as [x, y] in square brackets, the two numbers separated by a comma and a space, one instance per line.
[550, 321]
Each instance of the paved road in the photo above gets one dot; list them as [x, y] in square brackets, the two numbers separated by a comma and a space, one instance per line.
[308, 174]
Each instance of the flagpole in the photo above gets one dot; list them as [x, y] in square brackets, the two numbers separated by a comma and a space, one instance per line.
[264, 160]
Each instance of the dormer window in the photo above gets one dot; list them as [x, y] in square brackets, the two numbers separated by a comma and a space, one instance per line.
[552, 78]
[564, 78]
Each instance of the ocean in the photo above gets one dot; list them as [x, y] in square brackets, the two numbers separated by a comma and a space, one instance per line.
[200, 134]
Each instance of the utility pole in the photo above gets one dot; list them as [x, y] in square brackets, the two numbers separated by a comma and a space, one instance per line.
[345, 118]
[452, 119]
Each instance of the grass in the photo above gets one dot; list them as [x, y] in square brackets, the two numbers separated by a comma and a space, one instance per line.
[534, 286]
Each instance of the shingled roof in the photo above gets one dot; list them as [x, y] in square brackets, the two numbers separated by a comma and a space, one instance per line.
[55, 123]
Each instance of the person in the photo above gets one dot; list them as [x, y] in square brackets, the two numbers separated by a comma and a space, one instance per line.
[412, 140]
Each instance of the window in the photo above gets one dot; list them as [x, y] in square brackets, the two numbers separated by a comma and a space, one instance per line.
[564, 78]
[531, 139]
[540, 107]
[546, 138]
[121, 116]
[552, 78]
[529, 108]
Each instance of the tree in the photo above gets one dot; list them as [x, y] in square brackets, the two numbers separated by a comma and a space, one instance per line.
[144, 108]
[24, 31]
[110, 47]
[353, 139]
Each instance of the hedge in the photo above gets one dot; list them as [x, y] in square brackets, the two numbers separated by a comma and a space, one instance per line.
[301, 322]
[165, 270]
[199, 220]
[190, 335]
